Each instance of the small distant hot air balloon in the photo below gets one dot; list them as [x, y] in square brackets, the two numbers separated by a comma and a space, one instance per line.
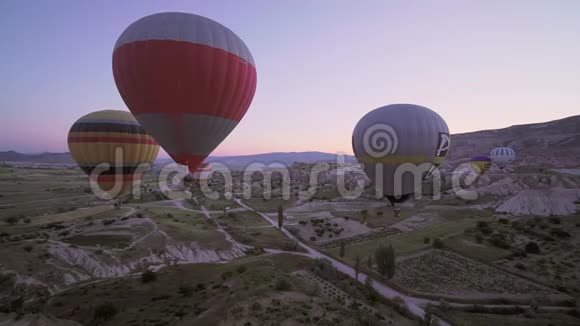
[388, 138]
[480, 163]
[188, 80]
[116, 138]
[502, 156]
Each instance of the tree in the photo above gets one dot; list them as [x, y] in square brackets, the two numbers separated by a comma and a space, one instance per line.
[282, 285]
[341, 254]
[438, 244]
[105, 311]
[370, 263]
[280, 216]
[370, 290]
[385, 258]
[11, 220]
[391, 262]
[532, 247]
[428, 316]
[148, 276]
[356, 266]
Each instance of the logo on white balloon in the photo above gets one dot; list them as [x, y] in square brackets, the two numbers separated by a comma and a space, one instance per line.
[380, 140]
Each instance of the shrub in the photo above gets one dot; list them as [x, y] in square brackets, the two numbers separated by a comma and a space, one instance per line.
[290, 245]
[242, 269]
[379, 213]
[11, 220]
[27, 220]
[256, 306]
[105, 311]
[16, 304]
[148, 276]
[499, 240]
[28, 248]
[227, 274]
[282, 285]
[486, 230]
[478, 238]
[559, 233]
[548, 238]
[185, 290]
[313, 238]
[521, 266]
[503, 220]
[426, 240]
[482, 224]
[532, 247]
[555, 220]
[364, 212]
[438, 244]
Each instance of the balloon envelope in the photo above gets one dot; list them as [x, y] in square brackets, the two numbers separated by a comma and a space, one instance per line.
[502, 156]
[114, 138]
[188, 80]
[400, 145]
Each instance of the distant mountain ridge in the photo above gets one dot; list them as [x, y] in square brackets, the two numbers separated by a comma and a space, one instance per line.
[285, 158]
[49, 158]
[553, 144]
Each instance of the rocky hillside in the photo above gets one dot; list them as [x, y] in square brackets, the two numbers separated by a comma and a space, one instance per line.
[551, 144]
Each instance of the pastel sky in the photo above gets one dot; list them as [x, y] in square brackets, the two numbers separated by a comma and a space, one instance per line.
[321, 65]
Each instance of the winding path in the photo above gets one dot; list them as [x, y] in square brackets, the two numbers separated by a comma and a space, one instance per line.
[413, 304]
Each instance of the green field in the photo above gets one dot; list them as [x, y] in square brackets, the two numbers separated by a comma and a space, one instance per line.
[461, 318]
[268, 237]
[186, 226]
[465, 246]
[241, 219]
[378, 216]
[106, 241]
[268, 205]
[214, 289]
[83, 215]
[405, 243]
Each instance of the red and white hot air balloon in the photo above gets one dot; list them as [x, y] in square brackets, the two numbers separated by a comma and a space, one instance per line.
[188, 80]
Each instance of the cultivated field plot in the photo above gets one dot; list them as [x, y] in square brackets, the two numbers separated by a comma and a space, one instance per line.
[199, 294]
[404, 243]
[557, 259]
[216, 205]
[268, 205]
[267, 237]
[241, 219]
[461, 318]
[27, 192]
[187, 226]
[467, 247]
[445, 273]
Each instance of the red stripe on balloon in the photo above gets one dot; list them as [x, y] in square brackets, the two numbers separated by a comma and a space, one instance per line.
[192, 161]
[119, 140]
[174, 77]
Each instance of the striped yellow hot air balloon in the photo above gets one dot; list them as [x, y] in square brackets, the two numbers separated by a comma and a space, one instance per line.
[117, 139]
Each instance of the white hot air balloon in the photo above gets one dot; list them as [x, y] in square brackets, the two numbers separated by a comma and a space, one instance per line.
[502, 156]
[400, 145]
